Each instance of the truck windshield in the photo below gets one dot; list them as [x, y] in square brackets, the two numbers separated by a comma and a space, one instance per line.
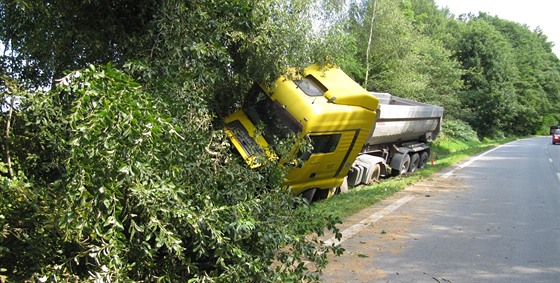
[277, 122]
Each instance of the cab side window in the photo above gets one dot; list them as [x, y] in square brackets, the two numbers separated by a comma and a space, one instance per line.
[324, 143]
[321, 144]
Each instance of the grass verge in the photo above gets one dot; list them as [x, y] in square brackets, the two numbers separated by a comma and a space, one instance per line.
[445, 153]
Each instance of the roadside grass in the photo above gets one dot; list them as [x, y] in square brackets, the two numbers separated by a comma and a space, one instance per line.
[445, 152]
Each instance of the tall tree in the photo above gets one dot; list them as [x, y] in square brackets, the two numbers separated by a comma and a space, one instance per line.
[535, 85]
[131, 181]
[442, 70]
[486, 57]
[388, 46]
[43, 39]
[506, 65]
[405, 59]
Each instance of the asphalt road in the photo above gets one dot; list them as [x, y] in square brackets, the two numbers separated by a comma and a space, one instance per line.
[494, 218]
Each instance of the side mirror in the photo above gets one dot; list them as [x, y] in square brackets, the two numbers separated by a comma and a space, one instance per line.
[305, 156]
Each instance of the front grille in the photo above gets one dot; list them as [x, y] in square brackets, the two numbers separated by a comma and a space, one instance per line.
[247, 143]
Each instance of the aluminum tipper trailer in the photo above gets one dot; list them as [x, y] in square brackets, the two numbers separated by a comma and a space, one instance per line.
[399, 141]
[355, 136]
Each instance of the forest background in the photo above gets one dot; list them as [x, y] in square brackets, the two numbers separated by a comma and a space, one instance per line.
[114, 165]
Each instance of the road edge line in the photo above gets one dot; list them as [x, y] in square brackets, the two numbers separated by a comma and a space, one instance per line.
[469, 162]
[356, 228]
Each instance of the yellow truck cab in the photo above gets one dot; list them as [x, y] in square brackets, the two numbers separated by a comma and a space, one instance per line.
[324, 106]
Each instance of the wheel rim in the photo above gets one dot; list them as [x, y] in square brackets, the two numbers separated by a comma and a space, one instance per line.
[375, 173]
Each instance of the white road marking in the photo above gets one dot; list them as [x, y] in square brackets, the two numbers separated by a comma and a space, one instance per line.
[448, 174]
[354, 229]
[550, 160]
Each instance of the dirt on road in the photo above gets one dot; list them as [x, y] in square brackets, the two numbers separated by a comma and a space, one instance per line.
[389, 234]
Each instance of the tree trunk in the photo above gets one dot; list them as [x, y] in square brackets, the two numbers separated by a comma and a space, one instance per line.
[369, 42]
[7, 137]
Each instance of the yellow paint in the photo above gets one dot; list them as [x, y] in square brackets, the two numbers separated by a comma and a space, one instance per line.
[342, 108]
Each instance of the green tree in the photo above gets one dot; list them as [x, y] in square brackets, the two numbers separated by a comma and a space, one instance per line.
[387, 37]
[537, 83]
[43, 39]
[131, 176]
[486, 56]
[405, 59]
[141, 198]
[511, 74]
[443, 71]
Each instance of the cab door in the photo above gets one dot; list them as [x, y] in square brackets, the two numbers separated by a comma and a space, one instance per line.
[327, 159]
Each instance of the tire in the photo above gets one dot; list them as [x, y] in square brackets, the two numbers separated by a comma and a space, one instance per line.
[414, 162]
[308, 195]
[374, 174]
[424, 157]
[404, 164]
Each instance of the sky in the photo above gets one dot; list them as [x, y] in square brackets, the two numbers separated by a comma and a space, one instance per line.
[533, 13]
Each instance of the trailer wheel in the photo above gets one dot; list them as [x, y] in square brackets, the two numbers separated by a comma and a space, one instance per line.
[414, 162]
[424, 157]
[404, 164]
[374, 174]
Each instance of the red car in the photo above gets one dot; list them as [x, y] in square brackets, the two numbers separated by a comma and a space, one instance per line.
[556, 136]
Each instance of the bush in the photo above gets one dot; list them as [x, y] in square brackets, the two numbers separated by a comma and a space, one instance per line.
[134, 195]
[458, 129]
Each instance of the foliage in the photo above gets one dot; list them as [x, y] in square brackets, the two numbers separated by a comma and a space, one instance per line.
[21, 209]
[405, 59]
[552, 119]
[128, 177]
[481, 69]
[457, 129]
[133, 202]
[43, 39]
[215, 51]
[392, 37]
[509, 97]
[489, 77]
[535, 79]
[141, 187]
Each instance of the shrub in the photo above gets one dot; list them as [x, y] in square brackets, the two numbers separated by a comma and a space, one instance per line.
[133, 194]
[459, 130]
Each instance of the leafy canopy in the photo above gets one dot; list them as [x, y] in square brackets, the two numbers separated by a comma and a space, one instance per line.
[134, 202]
